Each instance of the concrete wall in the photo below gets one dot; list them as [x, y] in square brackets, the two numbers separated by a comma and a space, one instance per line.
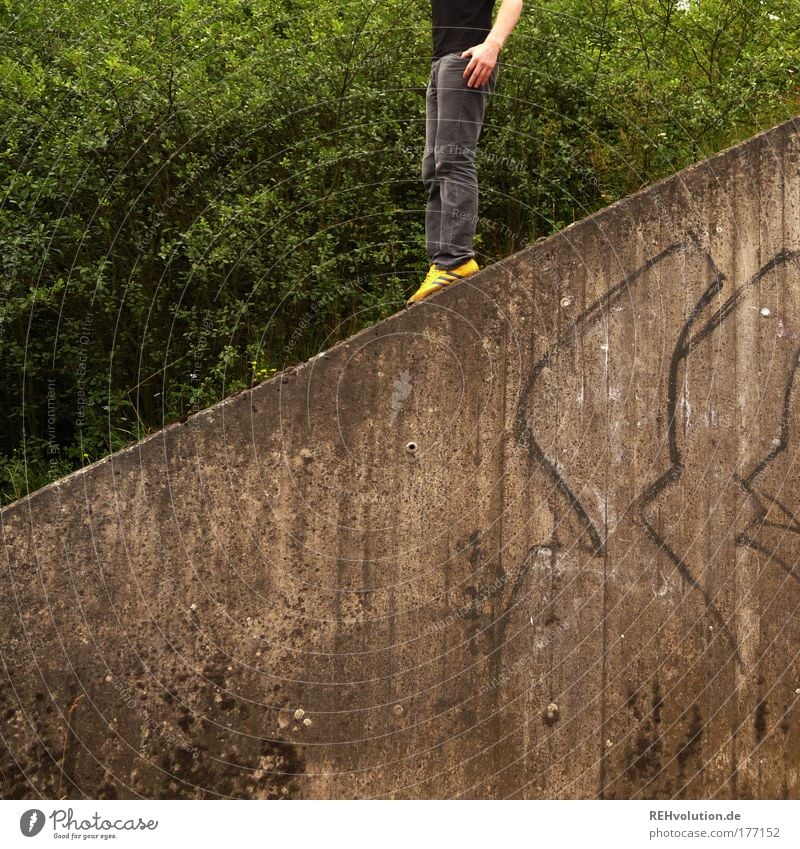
[583, 583]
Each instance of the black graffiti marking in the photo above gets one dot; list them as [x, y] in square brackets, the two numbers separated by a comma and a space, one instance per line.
[745, 538]
[781, 258]
[685, 344]
[522, 430]
[673, 473]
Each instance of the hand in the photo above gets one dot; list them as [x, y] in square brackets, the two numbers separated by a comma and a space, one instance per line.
[482, 62]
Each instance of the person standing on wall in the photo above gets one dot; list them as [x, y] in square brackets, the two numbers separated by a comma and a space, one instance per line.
[463, 74]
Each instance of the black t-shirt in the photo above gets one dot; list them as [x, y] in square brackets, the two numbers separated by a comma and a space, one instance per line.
[460, 24]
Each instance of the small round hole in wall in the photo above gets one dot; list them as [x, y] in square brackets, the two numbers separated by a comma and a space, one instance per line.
[411, 447]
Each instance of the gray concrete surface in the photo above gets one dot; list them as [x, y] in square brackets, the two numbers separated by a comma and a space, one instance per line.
[582, 583]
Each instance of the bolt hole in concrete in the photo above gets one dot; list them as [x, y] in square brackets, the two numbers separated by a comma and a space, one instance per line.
[411, 447]
[551, 714]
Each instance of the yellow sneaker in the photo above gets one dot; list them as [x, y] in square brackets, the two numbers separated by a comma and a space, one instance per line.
[426, 287]
[438, 278]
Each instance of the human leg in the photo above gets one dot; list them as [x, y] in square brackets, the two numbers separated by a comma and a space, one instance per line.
[460, 111]
[454, 117]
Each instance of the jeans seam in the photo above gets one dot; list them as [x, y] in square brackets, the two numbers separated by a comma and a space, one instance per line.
[459, 123]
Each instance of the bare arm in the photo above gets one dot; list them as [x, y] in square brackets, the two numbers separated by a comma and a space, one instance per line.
[484, 56]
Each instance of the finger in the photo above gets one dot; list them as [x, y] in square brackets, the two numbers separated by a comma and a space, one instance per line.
[479, 76]
[473, 64]
[467, 53]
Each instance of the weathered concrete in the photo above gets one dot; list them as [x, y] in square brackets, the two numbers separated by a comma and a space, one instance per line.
[583, 583]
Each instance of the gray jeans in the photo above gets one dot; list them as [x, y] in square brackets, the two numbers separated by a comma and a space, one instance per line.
[453, 125]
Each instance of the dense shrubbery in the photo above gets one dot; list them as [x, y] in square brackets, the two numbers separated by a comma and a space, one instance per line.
[196, 193]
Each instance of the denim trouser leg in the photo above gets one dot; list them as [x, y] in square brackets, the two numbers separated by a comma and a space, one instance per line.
[454, 116]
